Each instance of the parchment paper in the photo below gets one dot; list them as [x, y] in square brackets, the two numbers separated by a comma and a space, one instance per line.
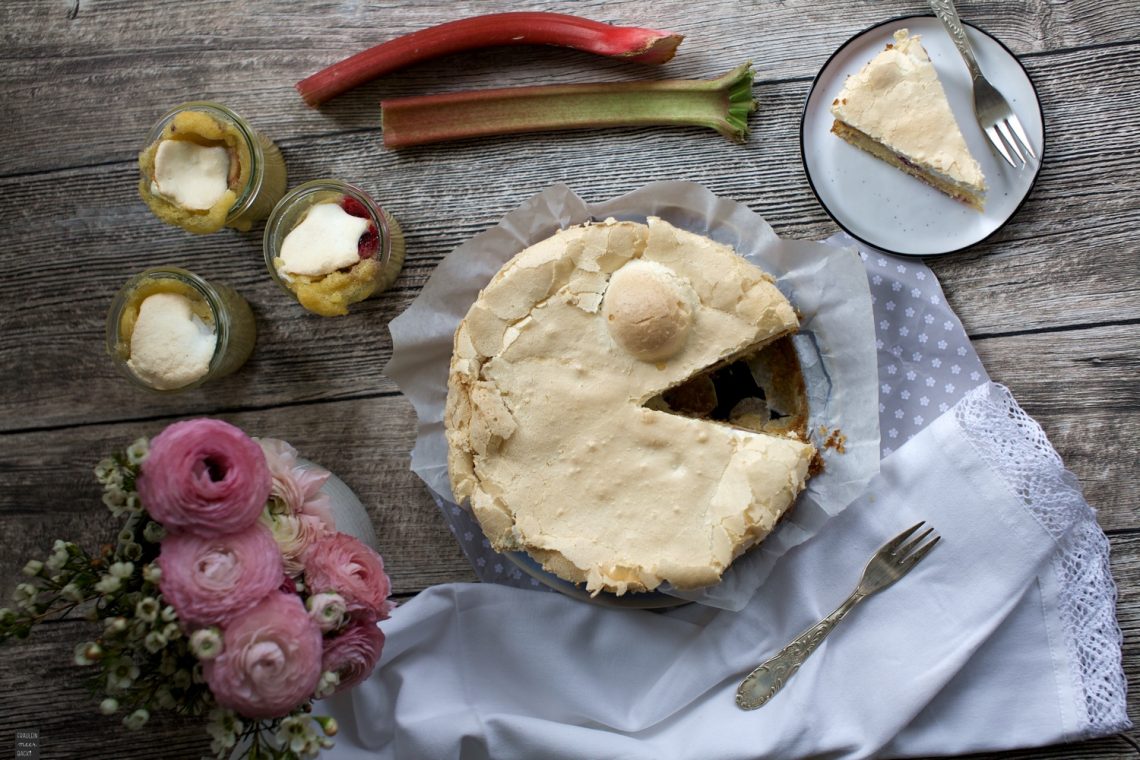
[836, 345]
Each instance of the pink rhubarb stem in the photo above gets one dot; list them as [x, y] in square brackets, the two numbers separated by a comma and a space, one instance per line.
[722, 104]
[523, 28]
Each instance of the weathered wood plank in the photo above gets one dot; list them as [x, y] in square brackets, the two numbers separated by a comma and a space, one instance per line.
[1081, 387]
[46, 490]
[1066, 268]
[59, 72]
[70, 726]
[1064, 259]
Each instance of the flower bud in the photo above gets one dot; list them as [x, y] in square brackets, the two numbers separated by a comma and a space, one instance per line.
[171, 631]
[328, 724]
[206, 643]
[137, 451]
[115, 498]
[109, 706]
[25, 595]
[152, 573]
[104, 469]
[165, 698]
[58, 559]
[154, 642]
[133, 504]
[121, 673]
[122, 570]
[137, 719]
[327, 610]
[326, 685]
[168, 614]
[33, 568]
[88, 653]
[115, 625]
[108, 584]
[154, 532]
[147, 609]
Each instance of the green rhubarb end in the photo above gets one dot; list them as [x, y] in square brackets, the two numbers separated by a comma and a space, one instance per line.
[741, 102]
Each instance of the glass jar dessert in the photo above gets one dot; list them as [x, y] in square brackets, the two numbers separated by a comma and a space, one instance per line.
[330, 245]
[169, 330]
[204, 168]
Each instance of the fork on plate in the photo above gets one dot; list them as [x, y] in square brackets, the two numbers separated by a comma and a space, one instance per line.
[994, 114]
[892, 561]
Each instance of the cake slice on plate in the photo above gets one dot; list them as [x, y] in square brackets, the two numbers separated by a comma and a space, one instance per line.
[896, 110]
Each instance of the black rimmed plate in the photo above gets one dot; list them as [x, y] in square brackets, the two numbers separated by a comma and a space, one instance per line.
[880, 205]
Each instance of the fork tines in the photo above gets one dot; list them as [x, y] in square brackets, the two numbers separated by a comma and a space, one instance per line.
[1007, 136]
[914, 548]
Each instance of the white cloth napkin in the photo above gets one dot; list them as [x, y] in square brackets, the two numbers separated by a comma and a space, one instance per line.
[1004, 637]
[967, 652]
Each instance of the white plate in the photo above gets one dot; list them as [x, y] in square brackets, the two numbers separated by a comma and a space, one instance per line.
[882, 206]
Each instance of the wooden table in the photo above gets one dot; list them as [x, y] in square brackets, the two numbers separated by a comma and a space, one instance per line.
[1051, 301]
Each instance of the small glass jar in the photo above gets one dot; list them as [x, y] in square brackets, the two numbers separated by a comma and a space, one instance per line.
[254, 188]
[332, 293]
[216, 305]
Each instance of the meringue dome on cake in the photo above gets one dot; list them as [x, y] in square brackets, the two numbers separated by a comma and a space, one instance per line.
[561, 432]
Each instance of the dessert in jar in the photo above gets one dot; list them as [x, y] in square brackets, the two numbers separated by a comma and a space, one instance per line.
[330, 245]
[168, 329]
[204, 168]
[624, 405]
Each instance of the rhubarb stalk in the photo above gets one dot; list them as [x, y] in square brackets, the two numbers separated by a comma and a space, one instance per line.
[722, 104]
[523, 28]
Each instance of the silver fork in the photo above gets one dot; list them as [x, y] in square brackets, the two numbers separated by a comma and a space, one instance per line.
[892, 561]
[996, 118]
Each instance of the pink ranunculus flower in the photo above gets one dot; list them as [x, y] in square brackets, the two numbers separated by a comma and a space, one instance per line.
[342, 564]
[205, 477]
[270, 660]
[296, 488]
[353, 653]
[209, 580]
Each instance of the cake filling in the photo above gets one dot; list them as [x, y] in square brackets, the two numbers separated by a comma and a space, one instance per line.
[760, 391]
[956, 190]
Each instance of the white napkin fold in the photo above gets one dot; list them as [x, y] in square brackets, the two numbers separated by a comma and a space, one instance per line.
[970, 651]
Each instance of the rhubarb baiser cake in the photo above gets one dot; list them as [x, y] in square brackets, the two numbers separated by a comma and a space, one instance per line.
[623, 405]
[896, 110]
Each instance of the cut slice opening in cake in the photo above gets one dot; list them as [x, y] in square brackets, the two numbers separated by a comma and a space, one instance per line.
[761, 390]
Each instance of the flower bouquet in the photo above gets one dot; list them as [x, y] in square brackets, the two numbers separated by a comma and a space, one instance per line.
[229, 595]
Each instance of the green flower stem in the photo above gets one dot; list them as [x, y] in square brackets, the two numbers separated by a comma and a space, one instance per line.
[722, 104]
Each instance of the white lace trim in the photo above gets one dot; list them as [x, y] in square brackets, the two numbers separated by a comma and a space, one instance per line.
[1015, 445]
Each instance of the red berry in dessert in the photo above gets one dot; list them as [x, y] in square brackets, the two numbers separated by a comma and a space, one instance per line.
[354, 207]
[370, 241]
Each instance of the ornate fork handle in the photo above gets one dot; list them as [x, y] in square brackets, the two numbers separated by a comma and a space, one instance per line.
[948, 15]
[763, 683]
